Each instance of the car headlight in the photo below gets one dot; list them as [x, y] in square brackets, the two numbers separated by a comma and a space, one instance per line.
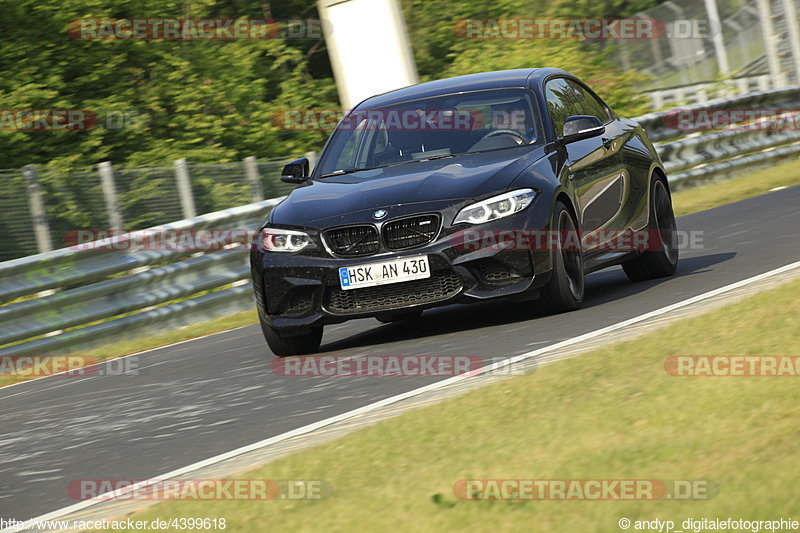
[496, 207]
[283, 240]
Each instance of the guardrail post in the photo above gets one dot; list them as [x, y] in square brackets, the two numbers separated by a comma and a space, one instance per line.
[716, 37]
[185, 189]
[790, 10]
[312, 160]
[771, 45]
[110, 195]
[41, 230]
[251, 172]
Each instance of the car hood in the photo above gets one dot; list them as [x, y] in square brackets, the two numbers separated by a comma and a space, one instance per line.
[403, 189]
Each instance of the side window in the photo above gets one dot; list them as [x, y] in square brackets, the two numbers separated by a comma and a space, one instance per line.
[588, 104]
[560, 103]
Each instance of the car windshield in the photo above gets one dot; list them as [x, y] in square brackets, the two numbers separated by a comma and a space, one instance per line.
[430, 128]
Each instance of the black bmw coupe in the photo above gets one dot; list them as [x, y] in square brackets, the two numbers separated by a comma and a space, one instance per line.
[510, 184]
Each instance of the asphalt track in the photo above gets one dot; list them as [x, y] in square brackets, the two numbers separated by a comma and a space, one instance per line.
[205, 397]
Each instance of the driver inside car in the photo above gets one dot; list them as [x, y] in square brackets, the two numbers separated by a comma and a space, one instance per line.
[508, 116]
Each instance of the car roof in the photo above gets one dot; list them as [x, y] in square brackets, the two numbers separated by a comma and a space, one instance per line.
[498, 79]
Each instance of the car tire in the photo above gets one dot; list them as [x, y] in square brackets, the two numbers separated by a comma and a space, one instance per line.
[564, 291]
[283, 345]
[398, 317]
[652, 264]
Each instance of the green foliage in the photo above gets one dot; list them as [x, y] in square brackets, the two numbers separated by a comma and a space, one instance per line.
[207, 101]
[601, 8]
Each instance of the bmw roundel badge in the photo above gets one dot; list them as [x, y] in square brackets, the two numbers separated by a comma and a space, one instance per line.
[379, 214]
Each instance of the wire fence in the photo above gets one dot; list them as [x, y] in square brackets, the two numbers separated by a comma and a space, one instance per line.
[688, 54]
[749, 45]
[16, 225]
[147, 196]
[39, 208]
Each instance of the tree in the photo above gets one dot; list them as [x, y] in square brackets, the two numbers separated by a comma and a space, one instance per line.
[203, 100]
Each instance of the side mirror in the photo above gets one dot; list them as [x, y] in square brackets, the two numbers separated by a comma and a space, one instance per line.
[579, 127]
[295, 171]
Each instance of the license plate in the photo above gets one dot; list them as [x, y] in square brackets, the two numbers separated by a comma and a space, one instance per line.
[383, 273]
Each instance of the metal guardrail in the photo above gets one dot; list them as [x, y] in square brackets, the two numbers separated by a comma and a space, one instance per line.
[692, 157]
[702, 92]
[38, 205]
[106, 293]
[697, 150]
[78, 298]
[660, 130]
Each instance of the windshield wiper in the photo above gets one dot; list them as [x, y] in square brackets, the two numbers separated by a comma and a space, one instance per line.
[443, 156]
[431, 158]
[343, 172]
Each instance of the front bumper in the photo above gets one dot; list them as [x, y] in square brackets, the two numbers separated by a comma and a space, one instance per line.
[295, 291]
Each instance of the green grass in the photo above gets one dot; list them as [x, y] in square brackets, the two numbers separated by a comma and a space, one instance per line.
[685, 202]
[725, 192]
[611, 413]
[244, 318]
